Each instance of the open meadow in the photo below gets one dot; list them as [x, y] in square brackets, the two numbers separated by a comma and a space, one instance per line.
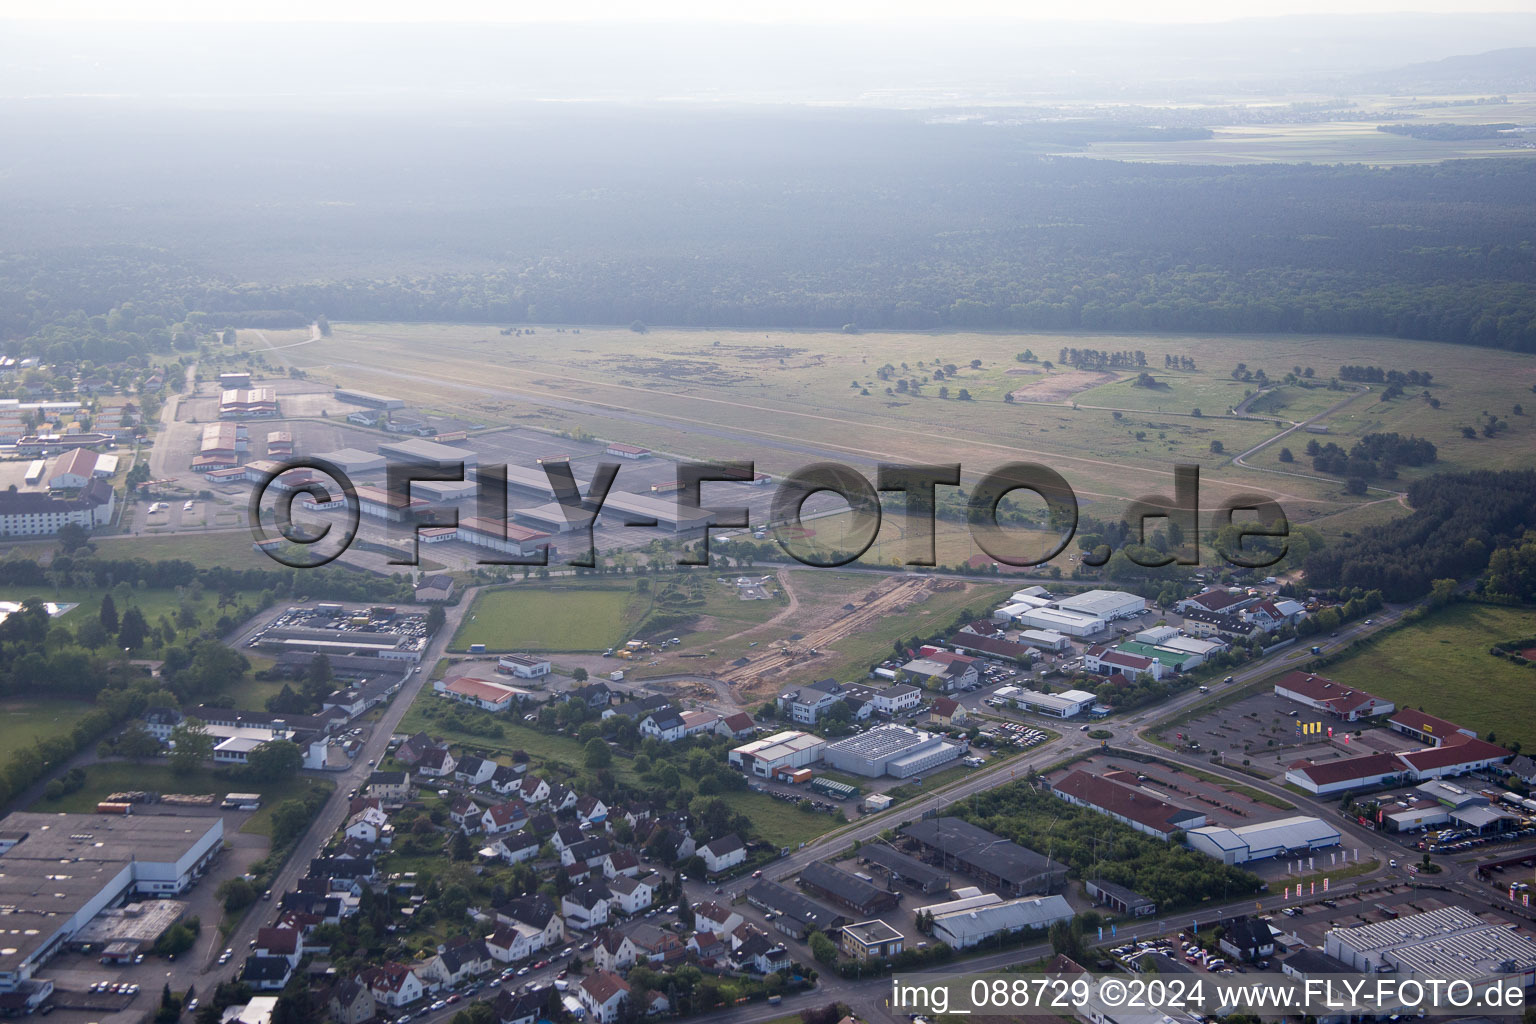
[786, 398]
[1441, 664]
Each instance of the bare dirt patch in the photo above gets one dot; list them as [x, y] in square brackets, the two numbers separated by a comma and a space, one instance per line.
[1062, 385]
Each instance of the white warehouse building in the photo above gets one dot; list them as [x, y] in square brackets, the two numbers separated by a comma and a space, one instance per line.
[963, 929]
[1061, 621]
[894, 750]
[1104, 604]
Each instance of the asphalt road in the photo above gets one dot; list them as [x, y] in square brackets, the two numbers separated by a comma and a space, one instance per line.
[334, 813]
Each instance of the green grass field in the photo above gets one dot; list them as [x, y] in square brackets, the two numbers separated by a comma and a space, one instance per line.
[110, 777]
[152, 603]
[228, 548]
[24, 722]
[555, 617]
[1442, 664]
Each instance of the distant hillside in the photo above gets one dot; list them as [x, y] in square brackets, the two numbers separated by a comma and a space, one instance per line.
[1496, 71]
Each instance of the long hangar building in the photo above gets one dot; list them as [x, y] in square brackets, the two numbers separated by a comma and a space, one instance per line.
[619, 508]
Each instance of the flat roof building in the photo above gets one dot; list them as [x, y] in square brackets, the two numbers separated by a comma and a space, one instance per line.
[1450, 943]
[895, 750]
[369, 399]
[924, 877]
[789, 749]
[1104, 604]
[109, 856]
[1060, 620]
[354, 460]
[430, 453]
[1066, 704]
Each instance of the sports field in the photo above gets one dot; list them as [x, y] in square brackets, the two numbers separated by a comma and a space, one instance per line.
[551, 618]
[1442, 665]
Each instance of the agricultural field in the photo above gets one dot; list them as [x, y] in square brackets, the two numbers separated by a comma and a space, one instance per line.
[787, 398]
[569, 617]
[1441, 663]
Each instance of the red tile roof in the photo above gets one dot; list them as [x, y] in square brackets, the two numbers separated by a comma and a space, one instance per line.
[1347, 769]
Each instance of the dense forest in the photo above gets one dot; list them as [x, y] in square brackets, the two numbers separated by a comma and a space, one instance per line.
[871, 219]
[1458, 521]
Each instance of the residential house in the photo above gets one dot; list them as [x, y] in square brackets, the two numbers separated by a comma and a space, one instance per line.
[589, 852]
[284, 942]
[656, 944]
[266, 973]
[665, 724]
[711, 916]
[723, 854]
[510, 943]
[696, 722]
[561, 797]
[351, 1002]
[603, 994]
[410, 751]
[753, 949]
[457, 963]
[539, 914]
[614, 951]
[390, 787]
[514, 849]
[1217, 600]
[1246, 938]
[708, 946]
[518, 1008]
[464, 813]
[394, 985]
[621, 862]
[474, 771]
[503, 818]
[533, 790]
[738, 726]
[947, 711]
[436, 763]
[370, 824]
[596, 696]
[506, 778]
[633, 895]
[567, 836]
[586, 906]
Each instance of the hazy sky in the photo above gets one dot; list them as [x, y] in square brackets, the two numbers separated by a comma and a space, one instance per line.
[714, 10]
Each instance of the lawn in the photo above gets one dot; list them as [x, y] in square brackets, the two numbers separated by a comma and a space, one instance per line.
[109, 777]
[1442, 664]
[554, 617]
[29, 721]
[229, 549]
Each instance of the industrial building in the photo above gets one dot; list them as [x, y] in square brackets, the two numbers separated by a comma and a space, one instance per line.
[73, 470]
[962, 929]
[895, 750]
[1130, 805]
[1450, 943]
[109, 857]
[797, 914]
[354, 460]
[783, 750]
[1045, 639]
[378, 503]
[999, 863]
[240, 402]
[429, 453]
[1060, 620]
[1349, 773]
[507, 538]
[1104, 604]
[1118, 898]
[369, 399]
[1262, 840]
[846, 889]
[899, 867]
